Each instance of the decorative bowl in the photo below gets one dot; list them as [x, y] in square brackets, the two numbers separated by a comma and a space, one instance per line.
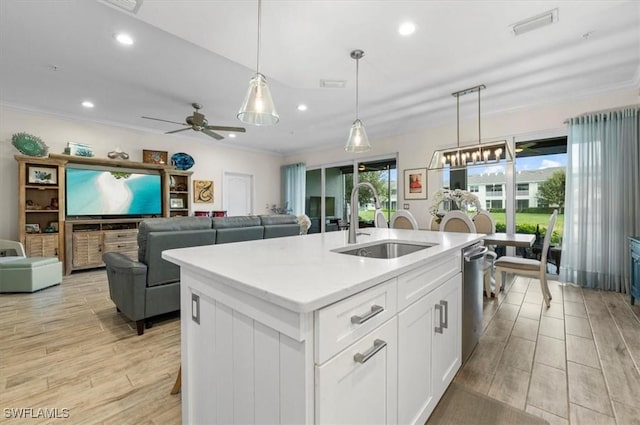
[182, 161]
[29, 144]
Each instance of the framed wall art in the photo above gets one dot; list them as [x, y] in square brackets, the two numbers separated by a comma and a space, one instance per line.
[42, 175]
[154, 157]
[176, 203]
[203, 191]
[415, 183]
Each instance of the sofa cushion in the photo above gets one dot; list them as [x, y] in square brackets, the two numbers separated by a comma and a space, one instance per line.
[160, 271]
[239, 234]
[267, 220]
[166, 225]
[235, 222]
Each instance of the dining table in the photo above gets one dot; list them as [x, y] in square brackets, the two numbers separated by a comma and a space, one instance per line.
[521, 240]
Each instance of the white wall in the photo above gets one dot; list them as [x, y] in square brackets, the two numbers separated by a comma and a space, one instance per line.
[210, 159]
[415, 150]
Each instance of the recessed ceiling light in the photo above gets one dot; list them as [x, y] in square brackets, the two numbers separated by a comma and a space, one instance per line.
[232, 136]
[124, 39]
[302, 107]
[88, 104]
[406, 28]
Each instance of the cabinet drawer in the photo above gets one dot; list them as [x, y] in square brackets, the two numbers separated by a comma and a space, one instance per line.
[344, 322]
[417, 283]
[120, 246]
[120, 235]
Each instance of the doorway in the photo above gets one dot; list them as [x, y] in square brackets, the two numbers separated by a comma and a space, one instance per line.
[237, 193]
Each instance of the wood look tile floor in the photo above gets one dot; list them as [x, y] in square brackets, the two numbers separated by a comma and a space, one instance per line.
[577, 362]
[66, 347]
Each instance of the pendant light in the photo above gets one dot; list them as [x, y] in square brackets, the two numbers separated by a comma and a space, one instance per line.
[258, 107]
[358, 140]
[465, 156]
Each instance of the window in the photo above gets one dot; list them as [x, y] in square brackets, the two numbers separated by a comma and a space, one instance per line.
[495, 204]
[540, 168]
[328, 194]
[474, 188]
[522, 189]
[493, 189]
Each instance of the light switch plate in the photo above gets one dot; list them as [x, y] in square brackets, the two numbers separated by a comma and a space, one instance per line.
[405, 206]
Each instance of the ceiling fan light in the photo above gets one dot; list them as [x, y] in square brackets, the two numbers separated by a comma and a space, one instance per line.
[258, 107]
[358, 140]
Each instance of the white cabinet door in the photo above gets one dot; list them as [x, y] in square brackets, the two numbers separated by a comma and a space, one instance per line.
[429, 350]
[416, 400]
[446, 338]
[359, 385]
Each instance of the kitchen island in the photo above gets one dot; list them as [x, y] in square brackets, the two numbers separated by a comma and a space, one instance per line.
[289, 330]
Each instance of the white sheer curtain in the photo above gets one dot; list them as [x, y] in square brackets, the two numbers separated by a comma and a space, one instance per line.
[294, 182]
[602, 198]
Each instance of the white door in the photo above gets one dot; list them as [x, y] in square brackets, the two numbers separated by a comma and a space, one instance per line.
[237, 193]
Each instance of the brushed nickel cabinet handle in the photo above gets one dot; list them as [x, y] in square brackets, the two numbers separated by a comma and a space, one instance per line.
[378, 345]
[438, 329]
[445, 322]
[375, 310]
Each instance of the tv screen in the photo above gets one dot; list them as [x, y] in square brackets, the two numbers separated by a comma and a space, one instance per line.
[112, 192]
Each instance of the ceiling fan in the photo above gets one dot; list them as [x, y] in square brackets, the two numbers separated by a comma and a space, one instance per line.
[527, 148]
[198, 122]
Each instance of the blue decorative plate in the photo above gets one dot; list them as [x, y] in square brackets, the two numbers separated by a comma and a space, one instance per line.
[29, 144]
[182, 161]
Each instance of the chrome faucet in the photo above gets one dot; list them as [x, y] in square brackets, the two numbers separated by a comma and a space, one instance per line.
[353, 225]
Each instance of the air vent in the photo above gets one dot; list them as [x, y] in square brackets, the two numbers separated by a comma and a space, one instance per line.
[333, 84]
[131, 6]
[535, 22]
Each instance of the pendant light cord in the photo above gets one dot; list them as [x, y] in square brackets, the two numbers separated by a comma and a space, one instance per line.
[458, 119]
[479, 120]
[259, 32]
[357, 84]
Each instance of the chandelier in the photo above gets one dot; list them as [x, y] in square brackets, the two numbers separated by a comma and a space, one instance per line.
[477, 154]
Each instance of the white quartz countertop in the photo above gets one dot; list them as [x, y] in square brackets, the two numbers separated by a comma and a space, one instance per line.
[302, 274]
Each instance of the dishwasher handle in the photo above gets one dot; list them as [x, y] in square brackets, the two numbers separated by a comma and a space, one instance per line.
[475, 253]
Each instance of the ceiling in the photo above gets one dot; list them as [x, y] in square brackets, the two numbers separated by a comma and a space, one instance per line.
[55, 54]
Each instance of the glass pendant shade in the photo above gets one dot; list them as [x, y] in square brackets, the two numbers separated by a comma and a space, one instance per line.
[358, 140]
[258, 107]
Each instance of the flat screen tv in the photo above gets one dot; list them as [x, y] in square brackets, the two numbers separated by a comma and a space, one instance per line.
[100, 191]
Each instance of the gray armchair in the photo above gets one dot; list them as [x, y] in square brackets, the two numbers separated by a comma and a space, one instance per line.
[151, 286]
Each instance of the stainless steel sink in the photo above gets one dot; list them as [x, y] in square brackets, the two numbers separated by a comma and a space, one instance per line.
[384, 249]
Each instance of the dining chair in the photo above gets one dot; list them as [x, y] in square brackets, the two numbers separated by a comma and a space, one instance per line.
[457, 221]
[528, 266]
[380, 220]
[403, 219]
[486, 224]
[433, 224]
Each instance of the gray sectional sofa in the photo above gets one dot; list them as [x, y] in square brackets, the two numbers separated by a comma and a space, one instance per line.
[151, 286]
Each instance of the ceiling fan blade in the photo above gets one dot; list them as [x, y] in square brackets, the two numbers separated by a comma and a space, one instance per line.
[222, 128]
[212, 134]
[178, 130]
[158, 119]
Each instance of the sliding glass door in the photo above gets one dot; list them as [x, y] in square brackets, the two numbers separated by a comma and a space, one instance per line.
[328, 193]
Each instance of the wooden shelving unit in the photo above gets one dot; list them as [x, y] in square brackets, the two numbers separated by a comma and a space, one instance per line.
[79, 243]
[40, 215]
[178, 185]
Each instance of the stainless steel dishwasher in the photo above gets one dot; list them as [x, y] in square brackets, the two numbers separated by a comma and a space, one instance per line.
[473, 258]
